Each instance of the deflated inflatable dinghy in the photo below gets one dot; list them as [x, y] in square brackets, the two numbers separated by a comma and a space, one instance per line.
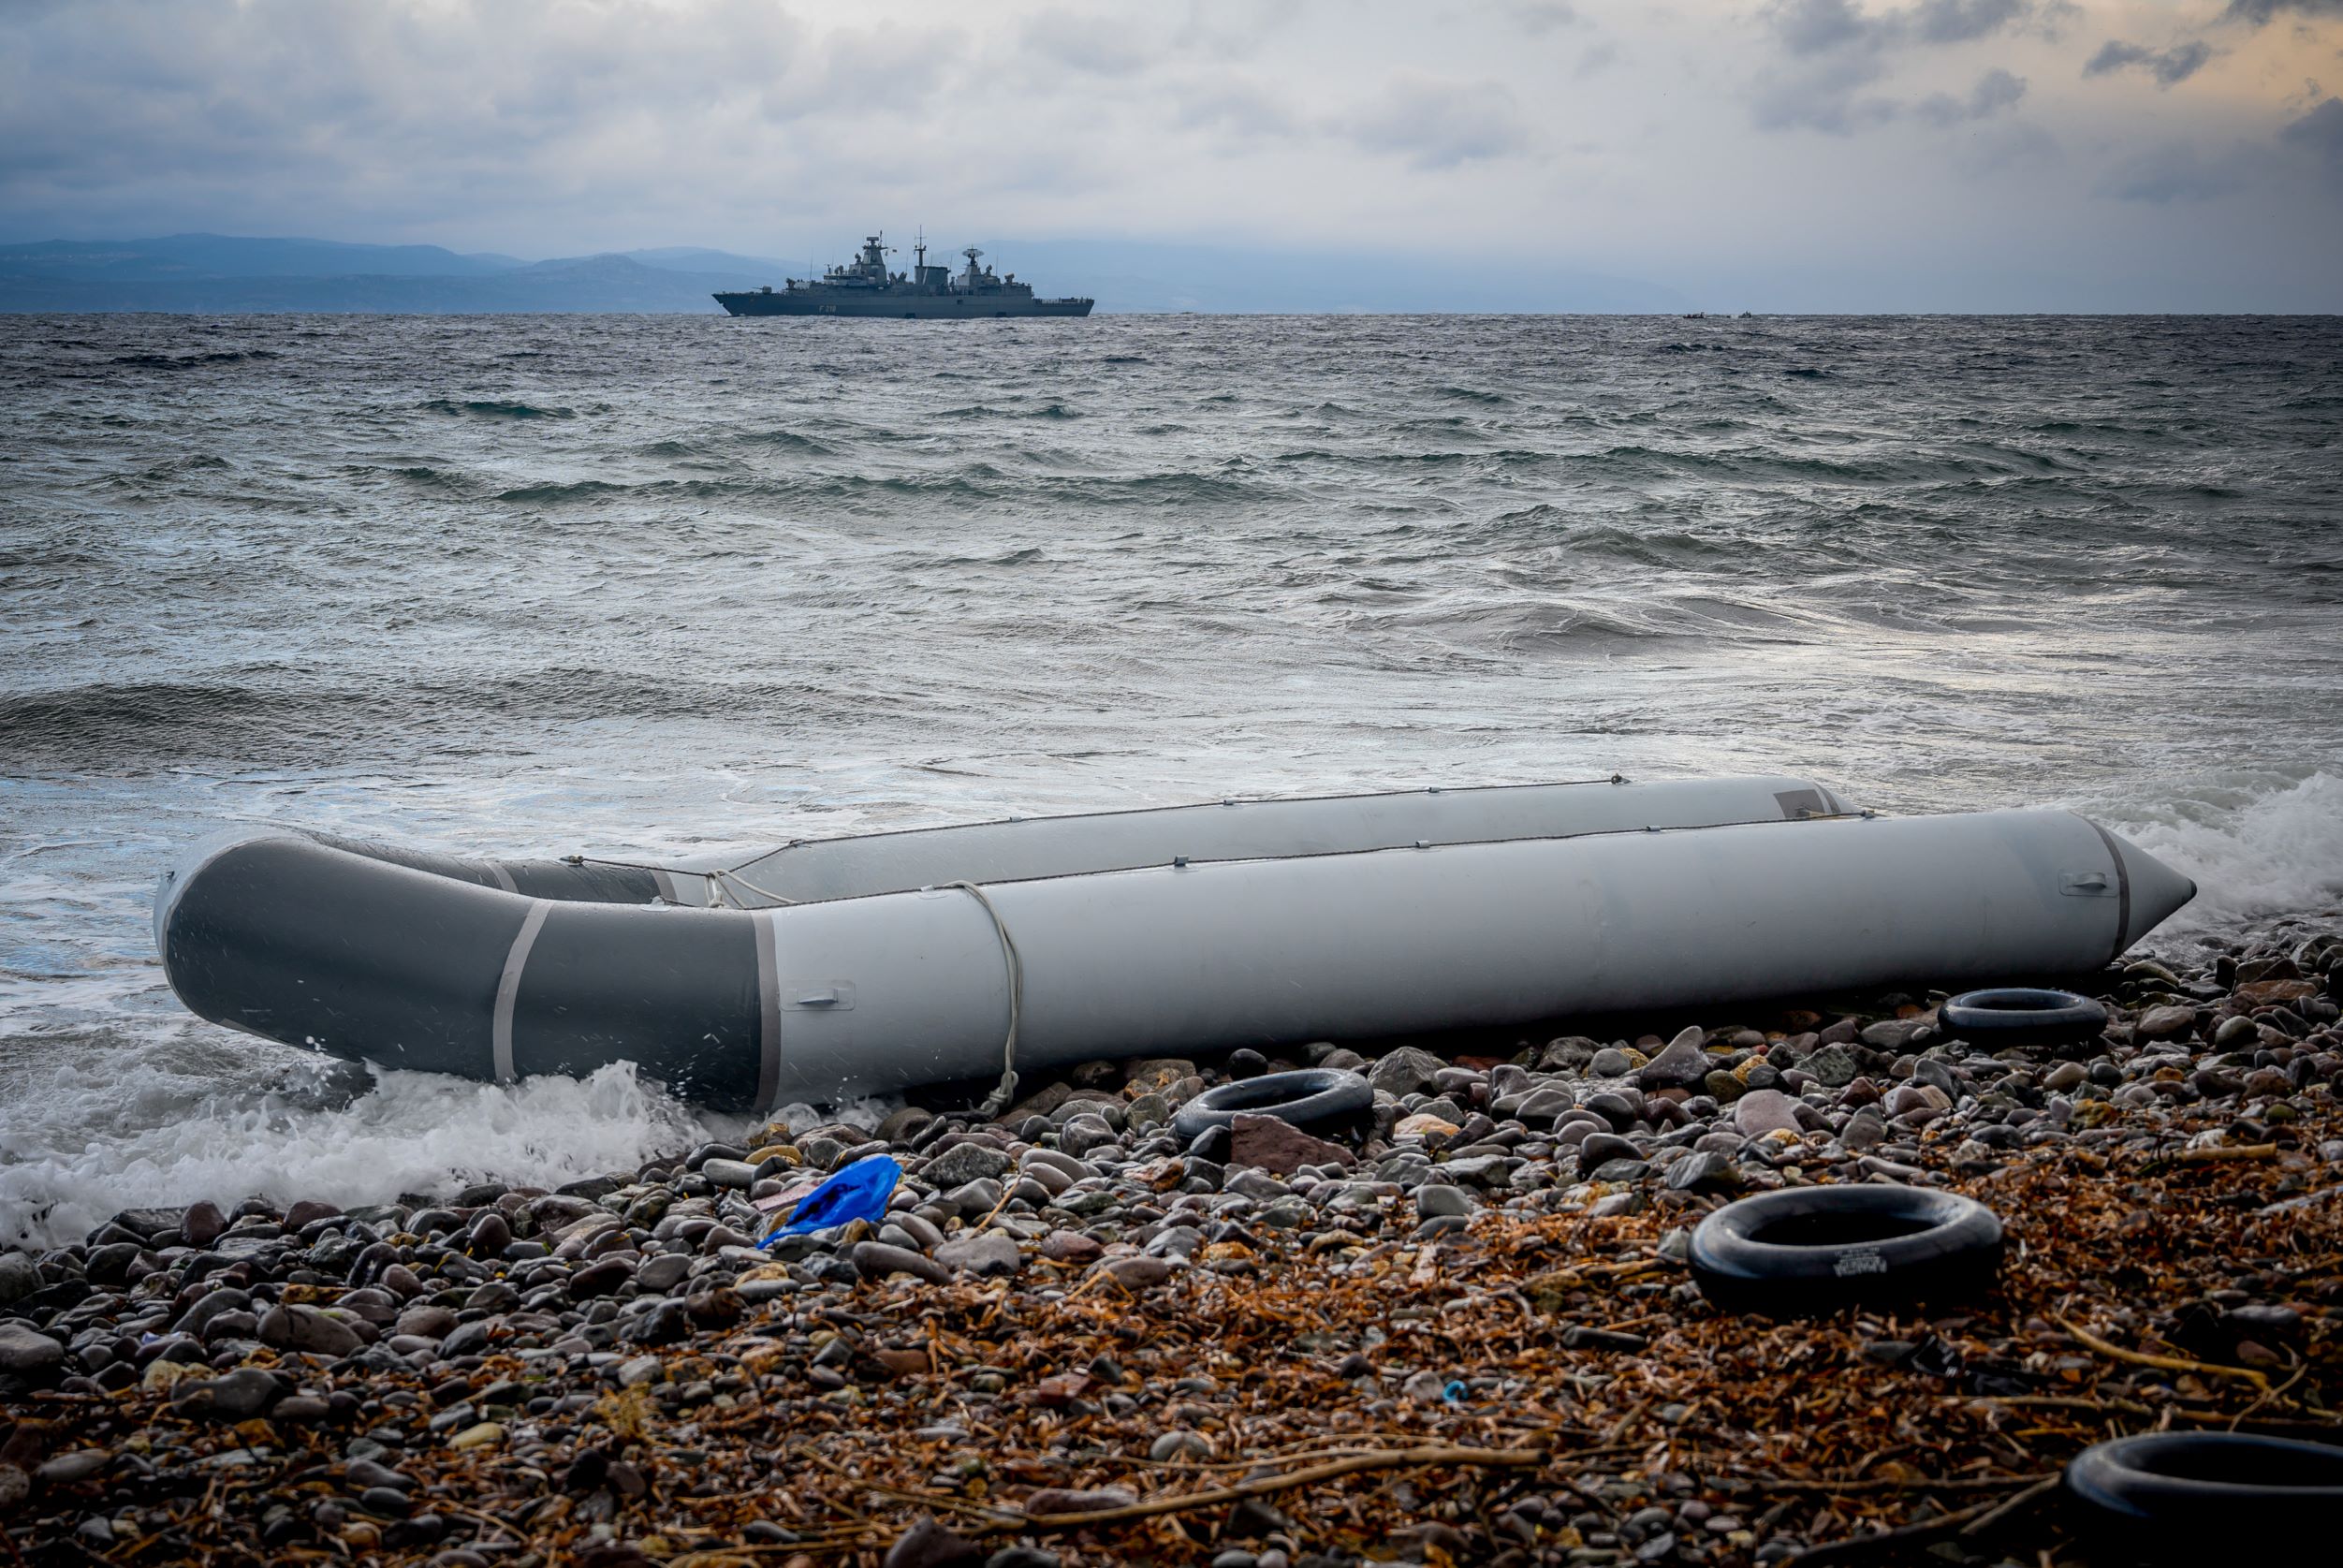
[873, 964]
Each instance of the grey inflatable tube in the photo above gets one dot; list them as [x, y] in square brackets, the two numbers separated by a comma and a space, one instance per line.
[311, 943]
[812, 871]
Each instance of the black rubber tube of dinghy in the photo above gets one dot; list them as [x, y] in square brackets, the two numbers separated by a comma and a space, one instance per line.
[2020, 1016]
[2171, 1496]
[1804, 1249]
[1309, 1097]
[351, 954]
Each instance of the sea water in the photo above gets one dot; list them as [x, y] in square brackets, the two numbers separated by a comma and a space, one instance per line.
[649, 585]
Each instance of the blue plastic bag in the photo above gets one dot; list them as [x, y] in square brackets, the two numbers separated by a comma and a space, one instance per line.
[857, 1192]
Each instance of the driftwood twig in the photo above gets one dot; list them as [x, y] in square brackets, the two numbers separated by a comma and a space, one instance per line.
[1397, 1458]
[1888, 1484]
[2215, 1155]
[1978, 1515]
[2168, 1363]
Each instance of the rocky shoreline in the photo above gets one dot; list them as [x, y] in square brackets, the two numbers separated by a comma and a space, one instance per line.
[1461, 1333]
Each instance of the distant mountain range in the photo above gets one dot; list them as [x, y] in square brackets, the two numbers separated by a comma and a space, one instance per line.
[213, 273]
[221, 274]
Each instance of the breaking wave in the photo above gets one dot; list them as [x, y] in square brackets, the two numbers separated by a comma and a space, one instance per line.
[175, 1137]
[2255, 852]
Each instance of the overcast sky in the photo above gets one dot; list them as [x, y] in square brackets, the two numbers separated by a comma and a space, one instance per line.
[1779, 153]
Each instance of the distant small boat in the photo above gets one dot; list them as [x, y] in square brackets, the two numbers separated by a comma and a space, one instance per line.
[881, 961]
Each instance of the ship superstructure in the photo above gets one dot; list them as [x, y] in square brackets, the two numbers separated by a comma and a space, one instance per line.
[865, 286]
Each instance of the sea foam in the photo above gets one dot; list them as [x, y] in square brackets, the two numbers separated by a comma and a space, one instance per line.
[71, 1155]
[2256, 852]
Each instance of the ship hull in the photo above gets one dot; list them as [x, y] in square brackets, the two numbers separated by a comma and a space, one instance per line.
[908, 307]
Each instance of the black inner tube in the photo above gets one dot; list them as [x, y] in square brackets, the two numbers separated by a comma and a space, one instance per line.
[1838, 1230]
[2019, 1000]
[2022, 1016]
[1264, 1092]
[1306, 1098]
[1815, 1249]
[2238, 1465]
[2181, 1497]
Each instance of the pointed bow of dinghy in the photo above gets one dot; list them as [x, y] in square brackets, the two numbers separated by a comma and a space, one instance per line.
[2152, 891]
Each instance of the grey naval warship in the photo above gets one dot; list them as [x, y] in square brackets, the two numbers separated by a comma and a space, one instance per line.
[864, 287]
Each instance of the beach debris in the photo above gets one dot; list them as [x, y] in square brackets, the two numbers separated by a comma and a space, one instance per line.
[859, 1191]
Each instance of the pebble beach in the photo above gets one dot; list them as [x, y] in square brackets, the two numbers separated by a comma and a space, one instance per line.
[1459, 1330]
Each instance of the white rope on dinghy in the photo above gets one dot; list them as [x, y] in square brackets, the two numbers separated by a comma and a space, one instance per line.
[716, 881]
[998, 1101]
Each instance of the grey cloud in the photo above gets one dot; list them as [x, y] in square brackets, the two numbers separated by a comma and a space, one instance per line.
[1096, 44]
[1960, 21]
[1996, 91]
[1837, 49]
[1235, 29]
[1437, 123]
[2050, 18]
[280, 113]
[2173, 171]
[888, 65]
[1238, 109]
[1596, 60]
[288, 79]
[2319, 133]
[2170, 68]
[2177, 65]
[2260, 14]
[1810, 27]
[1826, 97]
[2007, 145]
[1540, 16]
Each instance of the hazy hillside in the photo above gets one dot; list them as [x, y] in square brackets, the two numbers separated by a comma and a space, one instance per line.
[181, 257]
[1124, 275]
[211, 273]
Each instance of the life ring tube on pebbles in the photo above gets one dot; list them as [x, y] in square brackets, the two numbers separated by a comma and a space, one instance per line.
[1815, 1249]
[2019, 1016]
[1308, 1098]
[2167, 1496]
